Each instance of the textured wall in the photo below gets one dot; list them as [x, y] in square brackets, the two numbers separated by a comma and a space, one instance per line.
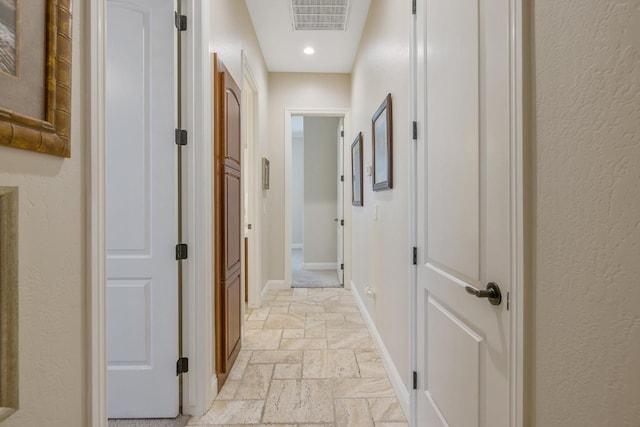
[586, 283]
[52, 292]
[320, 189]
[297, 90]
[232, 35]
[380, 246]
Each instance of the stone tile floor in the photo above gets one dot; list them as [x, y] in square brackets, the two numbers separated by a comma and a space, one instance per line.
[308, 360]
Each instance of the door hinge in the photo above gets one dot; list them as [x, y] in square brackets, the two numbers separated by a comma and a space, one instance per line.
[341, 266]
[182, 366]
[508, 294]
[341, 178]
[181, 251]
[413, 7]
[415, 256]
[181, 22]
[415, 380]
[415, 131]
[342, 222]
[181, 137]
[342, 133]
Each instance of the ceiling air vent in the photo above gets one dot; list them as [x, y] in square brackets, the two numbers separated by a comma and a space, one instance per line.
[319, 14]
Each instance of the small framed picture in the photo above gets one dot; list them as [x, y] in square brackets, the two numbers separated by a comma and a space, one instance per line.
[382, 142]
[356, 172]
[265, 173]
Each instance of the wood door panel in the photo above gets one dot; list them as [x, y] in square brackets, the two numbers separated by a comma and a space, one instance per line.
[228, 221]
[232, 128]
[232, 221]
[232, 316]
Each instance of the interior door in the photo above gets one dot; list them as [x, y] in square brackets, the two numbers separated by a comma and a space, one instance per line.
[229, 233]
[464, 216]
[141, 185]
[340, 203]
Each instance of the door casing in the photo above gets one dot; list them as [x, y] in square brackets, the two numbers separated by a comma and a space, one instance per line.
[346, 167]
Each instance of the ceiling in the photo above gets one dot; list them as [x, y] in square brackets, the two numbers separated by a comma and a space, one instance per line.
[283, 47]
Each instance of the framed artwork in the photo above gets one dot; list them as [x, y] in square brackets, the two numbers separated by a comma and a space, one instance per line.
[356, 172]
[35, 75]
[382, 142]
[265, 173]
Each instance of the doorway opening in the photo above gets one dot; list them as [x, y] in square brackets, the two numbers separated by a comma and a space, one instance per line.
[317, 205]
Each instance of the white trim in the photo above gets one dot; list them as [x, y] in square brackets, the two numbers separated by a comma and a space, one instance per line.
[320, 266]
[396, 379]
[297, 246]
[96, 211]
[316, 112]
[516, 394]
[198, 322]
[255, 241]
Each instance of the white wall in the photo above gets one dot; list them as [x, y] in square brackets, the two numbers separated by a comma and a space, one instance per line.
[52, 274]
[585, 195]
[381, 255]
[232, 34]
[320, 189]
[296, 90]
[297, 181]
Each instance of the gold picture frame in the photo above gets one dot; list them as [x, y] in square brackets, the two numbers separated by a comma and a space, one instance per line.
[50, 134]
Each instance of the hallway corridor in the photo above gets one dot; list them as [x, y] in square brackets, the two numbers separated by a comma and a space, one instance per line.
[307, 360]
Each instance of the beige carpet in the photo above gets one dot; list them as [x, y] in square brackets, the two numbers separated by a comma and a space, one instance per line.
[301, 278]
[181, 421]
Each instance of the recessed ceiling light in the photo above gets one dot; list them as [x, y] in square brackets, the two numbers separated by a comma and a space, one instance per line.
[309, 50]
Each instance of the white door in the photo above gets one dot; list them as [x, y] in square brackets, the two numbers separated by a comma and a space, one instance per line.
[464, 215]
[142, 271]
[340, 203]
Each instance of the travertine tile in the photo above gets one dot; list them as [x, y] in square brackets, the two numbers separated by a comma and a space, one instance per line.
[300, 291]
[280, 309]
[298, 401]
[303, 344]
[306, 307]
[338, 307]
[287, 371]
[329, 364]
[282, 321]
[277, 356]
[354, 320]
[361, 387]
[293, 333]
[318, 331]
[254, 324]
[262, 339]
[231, 412]
[386, 409]
[259, 313]
[370, 364]
[391, 424]
[355, 338]
[239, 366]
[229, 389]
[352, 412]
[255, 383]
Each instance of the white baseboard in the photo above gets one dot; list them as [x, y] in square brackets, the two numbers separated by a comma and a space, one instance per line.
[297, 246]
[274, 285]
[320, 266]
[396, 380]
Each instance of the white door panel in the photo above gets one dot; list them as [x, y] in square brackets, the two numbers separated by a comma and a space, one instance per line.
[142, 275]
[464, 216]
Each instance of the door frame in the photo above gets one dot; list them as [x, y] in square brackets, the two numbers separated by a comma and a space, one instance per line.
[517, 214]
[199, 384]
[255, 248]
[288, 141]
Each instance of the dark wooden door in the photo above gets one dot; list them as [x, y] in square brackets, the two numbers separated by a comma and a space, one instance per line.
[228, 238]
